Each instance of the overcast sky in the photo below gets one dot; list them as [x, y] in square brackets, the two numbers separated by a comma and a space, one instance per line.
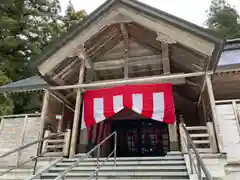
[191, 10]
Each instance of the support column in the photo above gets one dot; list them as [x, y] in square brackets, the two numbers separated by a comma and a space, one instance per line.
[172, 129]
[44, 112]
[165, 58]
[182, 135]
[76, 126]
[212, 137]
[60, 121]
[217, 133]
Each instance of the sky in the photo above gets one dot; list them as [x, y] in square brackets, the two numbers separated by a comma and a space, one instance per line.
[191, 10]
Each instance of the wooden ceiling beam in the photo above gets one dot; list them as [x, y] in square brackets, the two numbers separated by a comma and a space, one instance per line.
[165, 58]
[134, 61]
[124, 32]
[82, 54]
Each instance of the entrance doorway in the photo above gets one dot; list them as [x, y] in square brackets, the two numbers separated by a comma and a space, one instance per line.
[141, 138]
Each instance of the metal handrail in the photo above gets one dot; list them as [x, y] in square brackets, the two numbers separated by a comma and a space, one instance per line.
[24, 147]
[20, 115]
[200, 164]
[60, 176]
[22, 164]
[29, 144]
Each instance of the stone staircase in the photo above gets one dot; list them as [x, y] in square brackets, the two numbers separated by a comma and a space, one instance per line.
[171, 167]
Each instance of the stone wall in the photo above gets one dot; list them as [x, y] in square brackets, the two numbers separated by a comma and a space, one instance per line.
[15, 132]
[229, 129]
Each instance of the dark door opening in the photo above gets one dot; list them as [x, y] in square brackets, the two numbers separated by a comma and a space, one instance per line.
[141, 138]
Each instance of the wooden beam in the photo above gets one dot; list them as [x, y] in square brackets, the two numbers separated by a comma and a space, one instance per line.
[165, 58]
[83, 55]
[193, 83]
[126, 64]
[77, 111]
[134, 61]
[146, 80]
[214, 112]
[44, 113]
[124, 33]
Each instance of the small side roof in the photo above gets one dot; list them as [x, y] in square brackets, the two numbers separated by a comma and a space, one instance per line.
[230, 57]
[30, 84]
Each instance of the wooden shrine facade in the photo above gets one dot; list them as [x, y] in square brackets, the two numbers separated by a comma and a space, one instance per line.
[128, 42]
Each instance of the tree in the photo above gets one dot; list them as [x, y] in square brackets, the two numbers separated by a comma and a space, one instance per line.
[223, 19]
[6, 104]
[72, 17]
[26, 27]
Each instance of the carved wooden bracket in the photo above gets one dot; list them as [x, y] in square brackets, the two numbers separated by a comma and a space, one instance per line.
[165, 38]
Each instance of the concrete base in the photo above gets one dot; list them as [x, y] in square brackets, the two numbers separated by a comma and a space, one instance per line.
[174, 146]
[82, 148]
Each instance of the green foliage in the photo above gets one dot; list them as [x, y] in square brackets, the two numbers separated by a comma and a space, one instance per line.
[26, 28]
[223, 19]
[6, 104]
[73, 17]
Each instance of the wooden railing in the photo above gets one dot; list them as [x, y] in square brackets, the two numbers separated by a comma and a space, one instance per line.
[200, 167]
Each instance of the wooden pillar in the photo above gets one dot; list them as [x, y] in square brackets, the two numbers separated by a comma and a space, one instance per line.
[44, 113]
[165, 58]
[172, 129]
[212, 137]
[217, 133]
[77, 111]
[182, 135]
[60, 121]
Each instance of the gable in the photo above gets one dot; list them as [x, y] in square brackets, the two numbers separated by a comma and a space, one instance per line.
[160, 26]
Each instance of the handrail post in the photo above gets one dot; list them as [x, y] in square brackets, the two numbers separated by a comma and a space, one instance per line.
[190, 157]
[182, 137]
[67, 136]
[22, 140]
[115, 148]
[199, 170]
[45, 142]
[98, 154]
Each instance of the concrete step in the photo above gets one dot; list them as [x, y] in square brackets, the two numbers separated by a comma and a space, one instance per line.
[53, 141]
[174, 153]
[16, 174]
[194, 128]
[204, 150]
[165, 158]
[201, 142]
[126, 178]
[53, 154]
[203, 135]
[127, 163]
[55, 146]
[164, 174]
[124, 168]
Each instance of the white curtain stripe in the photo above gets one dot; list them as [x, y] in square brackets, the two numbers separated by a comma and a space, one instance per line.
[98, 106]
[137, 100]
[117, 103]
[158, 106]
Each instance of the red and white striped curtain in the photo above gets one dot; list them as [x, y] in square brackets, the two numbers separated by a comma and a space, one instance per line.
[154, 101]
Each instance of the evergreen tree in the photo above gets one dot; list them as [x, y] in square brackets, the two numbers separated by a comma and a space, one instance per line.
[26, 27]
[73, 17]
[6, 104]
[223, 19]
